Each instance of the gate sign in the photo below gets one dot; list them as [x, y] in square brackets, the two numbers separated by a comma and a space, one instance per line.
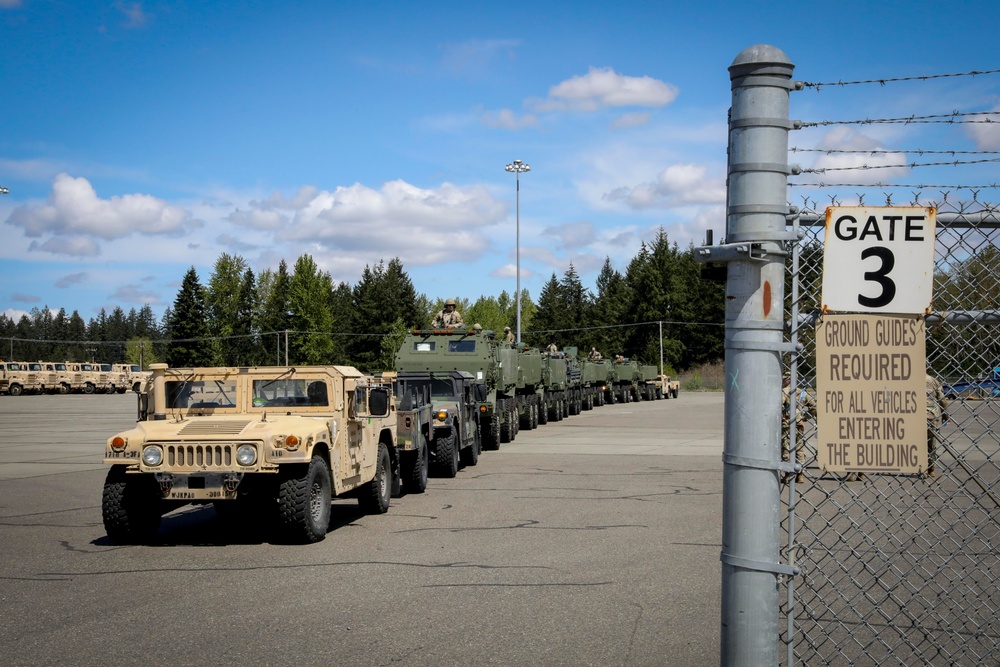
[879, 260]
[871, 394]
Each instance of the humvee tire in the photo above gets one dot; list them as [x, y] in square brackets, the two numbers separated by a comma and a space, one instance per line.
[446, 459]
[470, 455]
[415, 469]
[131, 506]
[304, 494]
[373, 497]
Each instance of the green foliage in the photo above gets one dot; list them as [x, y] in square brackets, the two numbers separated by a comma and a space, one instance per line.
[140, 351]
[188, 328]
[383, 296]
[390, 344]
[309, 294]
[222, 306]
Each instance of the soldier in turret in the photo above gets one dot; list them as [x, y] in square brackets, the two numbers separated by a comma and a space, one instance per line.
[448, 318]
[509, 335]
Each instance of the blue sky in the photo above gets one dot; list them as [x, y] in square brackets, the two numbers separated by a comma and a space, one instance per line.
[138, 139]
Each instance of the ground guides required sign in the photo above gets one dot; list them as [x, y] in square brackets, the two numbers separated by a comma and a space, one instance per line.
[871, 393]
[879, 259]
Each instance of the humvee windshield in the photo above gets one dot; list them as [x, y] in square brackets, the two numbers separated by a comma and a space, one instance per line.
[439, 388]
[278, 393]
[60, 367]
[461, 346]
[201, 394]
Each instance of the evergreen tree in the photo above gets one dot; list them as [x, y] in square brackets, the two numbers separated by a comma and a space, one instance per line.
[342, 310]
[244, 350]
[610, 310]
[188, 330]
[309, 295]
[384, 295]
[221, 305]
[275, 319]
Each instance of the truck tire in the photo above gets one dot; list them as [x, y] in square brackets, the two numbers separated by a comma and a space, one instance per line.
[543, 413]
[63, 388]
[675, 391]
[506, 426]
[534, 414]
[446, 455]
[373, 497]
[470, 454]
[131, 506]
[110, 389]
[14, 390]
[136, 387]
[416, 469]
[490, 428]
[88, 388]
[304, 494]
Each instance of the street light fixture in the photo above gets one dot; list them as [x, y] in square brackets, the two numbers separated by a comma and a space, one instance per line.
[518, 168]
[4, 191]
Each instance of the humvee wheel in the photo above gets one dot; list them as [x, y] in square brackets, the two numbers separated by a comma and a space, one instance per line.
[131, 506]
[675, 391]
[446, 455]
[136, 387]
[14, 390]
[416, 468]
[374, 496]
[304, 500]
[470, 455]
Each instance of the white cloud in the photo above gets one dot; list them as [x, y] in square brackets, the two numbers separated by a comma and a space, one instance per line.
[861, 165]
[257, 218]
[136, 294]
[421, 226]
[628, 120]
[676, 185]
[15, 314]
[510, 271]
[74, 246]
[600, 88]
[573, 234]
[986, 135]
[74, 212]
[71, 280]
[505, 119]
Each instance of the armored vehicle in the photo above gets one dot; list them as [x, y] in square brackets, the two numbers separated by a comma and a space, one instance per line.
[480, 354]
[594, 380]
[453, 433]
[530, 394]
[646, 387]
[556, 396]
[623, 376]
[86, 377]
[271, 442]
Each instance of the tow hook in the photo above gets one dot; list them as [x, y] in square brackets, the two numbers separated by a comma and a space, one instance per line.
[166, 482]
[231, 481]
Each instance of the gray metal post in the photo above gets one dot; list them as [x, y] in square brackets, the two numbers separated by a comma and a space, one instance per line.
[757, 195]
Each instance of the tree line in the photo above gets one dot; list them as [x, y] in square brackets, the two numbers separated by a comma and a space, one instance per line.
[239, 318]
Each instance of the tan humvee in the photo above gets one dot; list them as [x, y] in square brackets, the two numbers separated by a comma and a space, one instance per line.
[276, 443]
[667, 388]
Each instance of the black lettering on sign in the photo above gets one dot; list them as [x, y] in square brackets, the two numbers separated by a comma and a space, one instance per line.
[880, 276]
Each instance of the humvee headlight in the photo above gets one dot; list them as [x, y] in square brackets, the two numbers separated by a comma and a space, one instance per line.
[246, 455]
[118, 443]
[152, 456]
[291, 442]
[441, 415]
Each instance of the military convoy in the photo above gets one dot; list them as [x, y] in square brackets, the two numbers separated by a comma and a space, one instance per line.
[279, 443]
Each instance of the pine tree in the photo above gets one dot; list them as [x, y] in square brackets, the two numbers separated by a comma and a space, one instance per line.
[188, 330]
[309, 294]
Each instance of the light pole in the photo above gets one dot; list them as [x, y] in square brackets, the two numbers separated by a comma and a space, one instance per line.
[4, 191]
[518, 168]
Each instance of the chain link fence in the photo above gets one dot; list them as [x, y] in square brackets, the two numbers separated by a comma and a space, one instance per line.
[903, 569]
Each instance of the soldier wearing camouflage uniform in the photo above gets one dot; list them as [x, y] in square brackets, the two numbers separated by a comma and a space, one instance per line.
[509, 335]
[937, 416]
[449, 318]
[805, 405]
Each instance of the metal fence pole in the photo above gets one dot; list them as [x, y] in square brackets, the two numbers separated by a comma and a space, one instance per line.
[757, 194]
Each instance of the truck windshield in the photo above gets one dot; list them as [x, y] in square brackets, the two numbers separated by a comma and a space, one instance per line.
[201, 394]
[439, 388]
[297, 391]
[461, 346]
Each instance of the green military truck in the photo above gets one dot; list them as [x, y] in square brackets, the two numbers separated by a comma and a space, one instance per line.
[452, 436]
[480, 354]
[623, 378]
[273, 443]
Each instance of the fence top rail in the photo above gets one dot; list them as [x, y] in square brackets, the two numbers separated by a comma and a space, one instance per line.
[980, 220]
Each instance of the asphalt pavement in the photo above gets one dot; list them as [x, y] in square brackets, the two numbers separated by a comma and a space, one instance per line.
[590, 541]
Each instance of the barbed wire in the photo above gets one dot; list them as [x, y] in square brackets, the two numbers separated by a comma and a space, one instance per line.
[918, 186]
[955, 117]
[918, 151]
[882, 82]
[911, 165]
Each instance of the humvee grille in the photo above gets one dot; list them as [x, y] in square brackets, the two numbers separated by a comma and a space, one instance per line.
[200, 456]
[213, 427]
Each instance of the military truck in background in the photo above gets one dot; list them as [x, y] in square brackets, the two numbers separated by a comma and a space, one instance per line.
[133, 376]
[274, 443]
[480, 354]
[86, 377]
[667, 388]
[532, 392]
[594, 380]
[452, 435]
[17, 379]
[623, 377]
[556, 393]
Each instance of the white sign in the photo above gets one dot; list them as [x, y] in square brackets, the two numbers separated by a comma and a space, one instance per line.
[879, 260]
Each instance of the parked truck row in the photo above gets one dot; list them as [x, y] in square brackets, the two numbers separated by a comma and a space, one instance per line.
[275, 445]
[52, 377]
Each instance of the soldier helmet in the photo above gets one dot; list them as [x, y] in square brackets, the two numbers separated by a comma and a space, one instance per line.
[477, 326]
[506, 329]
[449, 302]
